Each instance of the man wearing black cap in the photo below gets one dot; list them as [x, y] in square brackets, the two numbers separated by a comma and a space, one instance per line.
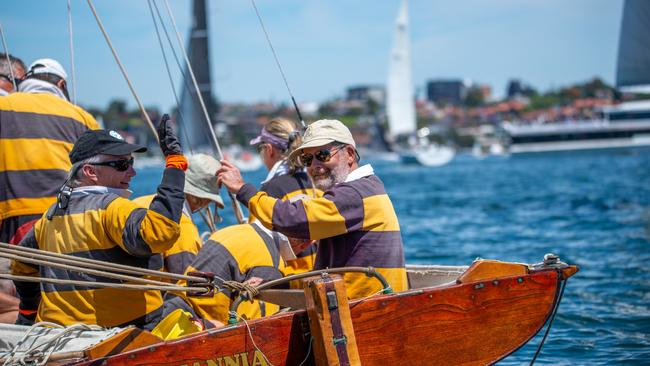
[93, 218]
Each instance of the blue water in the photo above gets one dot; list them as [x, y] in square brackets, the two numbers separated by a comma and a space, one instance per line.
[592, 209]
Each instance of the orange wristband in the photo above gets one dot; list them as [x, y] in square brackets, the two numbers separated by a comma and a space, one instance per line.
[27, 312]
[176, 161]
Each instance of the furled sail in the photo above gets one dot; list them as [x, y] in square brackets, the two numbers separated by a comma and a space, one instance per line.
[190, 107]
[633, 67]
[401, 105]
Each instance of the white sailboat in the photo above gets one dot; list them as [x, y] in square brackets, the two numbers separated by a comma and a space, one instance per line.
[400, 102]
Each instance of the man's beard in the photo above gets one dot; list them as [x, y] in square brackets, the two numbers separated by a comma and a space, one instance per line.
[330, 178]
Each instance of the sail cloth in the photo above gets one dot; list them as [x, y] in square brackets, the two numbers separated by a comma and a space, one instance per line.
[633, 66]
[401, 105]
[190, 107]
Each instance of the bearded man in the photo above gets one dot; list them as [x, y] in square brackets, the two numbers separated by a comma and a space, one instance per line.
[354, 219]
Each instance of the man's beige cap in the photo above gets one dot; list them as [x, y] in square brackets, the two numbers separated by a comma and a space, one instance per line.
[200, 178]
[323, 132]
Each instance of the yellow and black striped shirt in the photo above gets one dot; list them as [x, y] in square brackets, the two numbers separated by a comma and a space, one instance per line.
[37, 131]
[354, 221]
[235, 253]
[293, 187]
[103, 226]
[177, 258]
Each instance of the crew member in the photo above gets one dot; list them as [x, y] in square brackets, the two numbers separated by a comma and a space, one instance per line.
[37, 129]
[12, 69]
[286, 179]
[354, 220]
[93, 218]
[242, 253]
[39, 126]
[200, 189]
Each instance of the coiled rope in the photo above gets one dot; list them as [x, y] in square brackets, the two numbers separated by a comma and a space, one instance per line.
[40, 353]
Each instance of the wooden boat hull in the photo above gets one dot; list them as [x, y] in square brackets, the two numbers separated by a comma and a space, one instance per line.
[469, 323]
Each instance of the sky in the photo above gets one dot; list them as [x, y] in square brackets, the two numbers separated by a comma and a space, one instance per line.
[324, 46]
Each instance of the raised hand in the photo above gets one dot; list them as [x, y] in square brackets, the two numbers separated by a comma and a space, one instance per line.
[167, 138]
[229, 176]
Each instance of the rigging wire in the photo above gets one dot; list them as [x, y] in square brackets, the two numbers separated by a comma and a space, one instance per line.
[277, 62]
[181, 120]
[72, 68]
[119, 63]
[6, 49]
[214, 140]
[235, 204]
[186, 83]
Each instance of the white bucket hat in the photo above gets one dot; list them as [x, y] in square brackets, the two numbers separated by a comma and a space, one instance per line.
[201, 179]
[49, 66]
[323, 132]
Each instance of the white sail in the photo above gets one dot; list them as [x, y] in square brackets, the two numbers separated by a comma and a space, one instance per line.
[401, 105]
[633, 67]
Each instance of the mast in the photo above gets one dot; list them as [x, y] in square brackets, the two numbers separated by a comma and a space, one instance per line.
[633, 66]
[401, 105]
[200, 60]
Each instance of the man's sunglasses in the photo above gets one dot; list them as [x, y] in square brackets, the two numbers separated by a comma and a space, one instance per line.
[121, 165]
[321, 155]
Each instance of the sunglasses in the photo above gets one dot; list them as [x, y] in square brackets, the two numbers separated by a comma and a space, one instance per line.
[260, 147]
[121, 165]
[323, 156]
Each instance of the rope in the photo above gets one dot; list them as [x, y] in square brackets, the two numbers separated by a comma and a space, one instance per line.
[250, 334]
[244, 289]
[369, 271]
[311, 340]
[195, 83]
[171, 79]
[81, 269]
[124, 286]
[550, 324]
[277, 62]
[34, 355]
[72, 68]
[239, 214]
[206, 218]
[11, 67]
[119, 63]
[91, 263]
[186, 82]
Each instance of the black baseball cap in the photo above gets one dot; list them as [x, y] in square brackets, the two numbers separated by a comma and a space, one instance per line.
[95, 142]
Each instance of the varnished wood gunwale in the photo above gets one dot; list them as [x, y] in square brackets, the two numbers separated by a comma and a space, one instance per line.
[474, 323]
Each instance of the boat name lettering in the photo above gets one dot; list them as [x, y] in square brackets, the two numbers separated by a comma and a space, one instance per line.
[239, 359]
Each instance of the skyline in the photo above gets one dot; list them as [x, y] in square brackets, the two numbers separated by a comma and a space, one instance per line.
[325, 47]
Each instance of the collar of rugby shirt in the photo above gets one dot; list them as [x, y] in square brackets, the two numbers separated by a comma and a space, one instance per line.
[360, 172]
[87, 190]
